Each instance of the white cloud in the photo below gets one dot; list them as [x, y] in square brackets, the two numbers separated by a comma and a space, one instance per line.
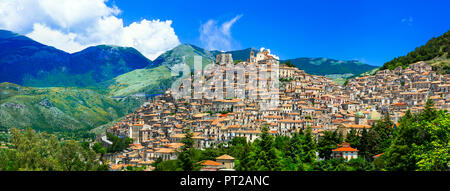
[55, 38]
[218, 37]
[409, 21]
[72, 25]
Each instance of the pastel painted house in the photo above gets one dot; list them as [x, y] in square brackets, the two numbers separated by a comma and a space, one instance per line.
[227, 161]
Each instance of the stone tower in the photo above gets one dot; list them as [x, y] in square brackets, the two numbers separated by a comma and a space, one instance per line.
[224, 59]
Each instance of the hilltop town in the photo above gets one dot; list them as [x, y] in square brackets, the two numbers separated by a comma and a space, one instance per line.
[305, 101]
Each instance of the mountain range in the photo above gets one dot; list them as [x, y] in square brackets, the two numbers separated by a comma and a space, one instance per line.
[26, 62]
[330, 67]
[59, 109]
[49, 89]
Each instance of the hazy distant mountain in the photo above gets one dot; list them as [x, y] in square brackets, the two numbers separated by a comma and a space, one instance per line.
[21, 57]
[238, 54]
[326, 66]
[26, 62]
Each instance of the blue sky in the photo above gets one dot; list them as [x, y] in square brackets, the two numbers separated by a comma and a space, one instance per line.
[371, 31]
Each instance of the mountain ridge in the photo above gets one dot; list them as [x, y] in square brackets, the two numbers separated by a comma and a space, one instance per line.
[27, 62]
[327, 66]
[435, 52]
[58, 109]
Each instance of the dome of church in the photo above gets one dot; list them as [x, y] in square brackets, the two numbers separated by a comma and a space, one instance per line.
[359, 114]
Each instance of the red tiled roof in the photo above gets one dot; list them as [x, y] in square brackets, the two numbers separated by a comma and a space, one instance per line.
[376, 156]
[226, 157]
[345, 149]
[211, 163]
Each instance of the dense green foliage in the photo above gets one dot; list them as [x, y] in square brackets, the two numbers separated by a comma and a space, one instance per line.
[421, 142]
[185, 156]
[374, 141]
[119, 144]
[286, 79]
[328, 142]
[267, 153]
[31, 151]
[437, 49]
[148, 81]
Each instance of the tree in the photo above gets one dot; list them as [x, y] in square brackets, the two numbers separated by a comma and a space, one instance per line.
[345, 83]
[98, 148]
[353, 139]
[168, 165]
[433, 154]
[429, 112]
[373, 144]
[244, 159]
[41, 151]
[360, 164]
[364, 145]
[118, 144]
[156, 163]
[293, 154]
[289, 64]
[265, 157]
[72, 157]
[328, 142]
[184, 157]
[421, 141]
[308, 147]
[383, 136]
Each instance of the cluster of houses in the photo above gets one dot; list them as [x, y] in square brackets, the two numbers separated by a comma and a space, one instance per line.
[305, 101]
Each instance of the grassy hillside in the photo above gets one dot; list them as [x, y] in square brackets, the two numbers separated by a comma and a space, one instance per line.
[435, 52]
[175, 56]
[156, 77]
[148, 81]
[59, 109]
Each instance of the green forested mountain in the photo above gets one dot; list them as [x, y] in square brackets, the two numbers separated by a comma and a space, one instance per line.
[58, 109]
[419, 143]
[435, 52]
[156, 77]
[326, 66]
[175, 56]
[26, 62]
[71, 107]
[238, 54]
